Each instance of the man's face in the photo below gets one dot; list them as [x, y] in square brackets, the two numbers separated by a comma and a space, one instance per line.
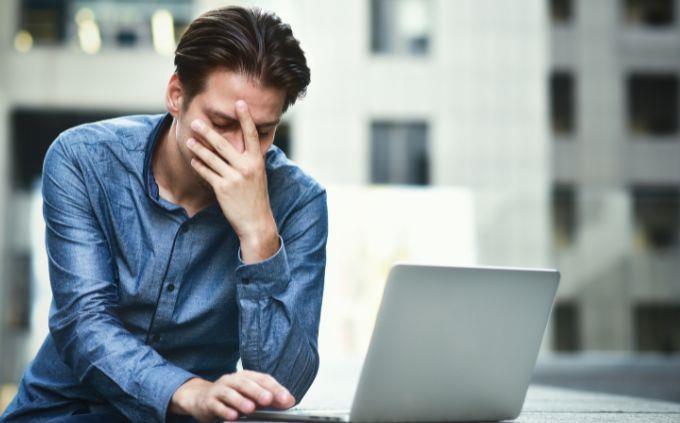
[216, 107]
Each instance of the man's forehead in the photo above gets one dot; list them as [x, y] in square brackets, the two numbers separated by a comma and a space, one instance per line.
[223, 89]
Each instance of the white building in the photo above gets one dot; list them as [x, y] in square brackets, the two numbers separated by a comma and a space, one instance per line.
[450, 94]
[424, 92]
[616, 167]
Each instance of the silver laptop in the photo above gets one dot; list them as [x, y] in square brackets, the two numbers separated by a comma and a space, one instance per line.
[449, 344]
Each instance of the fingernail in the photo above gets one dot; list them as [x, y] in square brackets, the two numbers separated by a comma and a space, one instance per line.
[241, 105]
[197, 124]
[191, 142]
[283, 396]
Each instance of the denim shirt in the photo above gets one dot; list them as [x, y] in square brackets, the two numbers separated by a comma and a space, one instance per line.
[145, 298]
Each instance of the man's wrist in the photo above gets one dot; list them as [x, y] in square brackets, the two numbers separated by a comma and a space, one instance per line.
[259, 247]
[184, 397]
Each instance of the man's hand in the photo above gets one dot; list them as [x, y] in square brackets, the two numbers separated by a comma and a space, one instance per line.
[239, 181]
[231, 395]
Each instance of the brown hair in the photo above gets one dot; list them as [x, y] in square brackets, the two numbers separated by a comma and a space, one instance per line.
[250, 41]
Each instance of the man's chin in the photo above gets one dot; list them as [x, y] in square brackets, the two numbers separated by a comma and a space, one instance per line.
[202, 182]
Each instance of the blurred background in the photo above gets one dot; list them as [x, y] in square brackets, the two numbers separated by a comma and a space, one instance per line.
[490, 132]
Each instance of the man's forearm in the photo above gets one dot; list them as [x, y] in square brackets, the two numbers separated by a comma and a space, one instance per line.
[279, 299]
[273, 340]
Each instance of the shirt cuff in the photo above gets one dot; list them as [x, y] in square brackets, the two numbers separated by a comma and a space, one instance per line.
[160, 384]
[264, 278]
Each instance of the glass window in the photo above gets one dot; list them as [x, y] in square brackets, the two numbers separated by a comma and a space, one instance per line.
[44, 20]
[564, 214]
[96, 24]
[561, 11]
[650, 12]
[562, 102]
[565, 325]
[19, 309]
[657, 327]
[653, 104]
[399, 153]
[657, 216]
[400, 26]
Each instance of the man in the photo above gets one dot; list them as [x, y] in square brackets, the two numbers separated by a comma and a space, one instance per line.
[179, 243]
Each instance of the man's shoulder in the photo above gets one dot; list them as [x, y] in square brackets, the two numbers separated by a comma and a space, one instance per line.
[127, 132]
[288, 179]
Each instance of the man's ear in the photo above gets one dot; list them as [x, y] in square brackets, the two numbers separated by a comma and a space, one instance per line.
[174, 96]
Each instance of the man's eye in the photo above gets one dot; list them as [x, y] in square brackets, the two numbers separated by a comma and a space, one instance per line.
[222, 127]
[264, 134]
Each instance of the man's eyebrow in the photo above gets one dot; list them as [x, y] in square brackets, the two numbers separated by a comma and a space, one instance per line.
[218, 114]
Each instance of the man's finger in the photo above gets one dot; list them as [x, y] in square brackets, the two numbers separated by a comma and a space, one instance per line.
[250, 136]
[234, 399]
[222, 411]
[214, 162]
[282, 397]
[221, 145]
[205, 172]
[250, 388]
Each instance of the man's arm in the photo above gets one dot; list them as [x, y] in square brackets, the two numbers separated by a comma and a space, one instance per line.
[280, 301]
[88, 334]
[279, 298]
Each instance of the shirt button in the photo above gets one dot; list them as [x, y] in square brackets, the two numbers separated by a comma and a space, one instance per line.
[183, 229]
[246, 280]
[171, 287]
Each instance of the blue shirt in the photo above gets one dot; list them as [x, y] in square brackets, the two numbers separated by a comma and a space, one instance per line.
[145, 298]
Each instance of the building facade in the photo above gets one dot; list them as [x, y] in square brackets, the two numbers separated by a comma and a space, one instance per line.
[616, 173]
[522, 129]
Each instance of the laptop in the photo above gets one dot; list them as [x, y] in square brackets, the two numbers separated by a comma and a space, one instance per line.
[449, 344]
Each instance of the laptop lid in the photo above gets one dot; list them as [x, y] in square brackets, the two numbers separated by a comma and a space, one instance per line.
[454, 343]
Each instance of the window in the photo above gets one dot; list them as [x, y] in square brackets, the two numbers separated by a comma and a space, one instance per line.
[653, 104]
[561, 11]
[657, 327]
[564, 217]
[657, 216]
[93, 24]
[562, 102]
[566, 332]
[400, 26]
[44, 20]
[652, 13]
[19, 286]
[399, 153]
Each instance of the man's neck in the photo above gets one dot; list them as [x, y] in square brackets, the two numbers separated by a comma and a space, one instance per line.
[177, 181]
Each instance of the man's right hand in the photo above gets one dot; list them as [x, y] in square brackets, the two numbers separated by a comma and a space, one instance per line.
[231, 395]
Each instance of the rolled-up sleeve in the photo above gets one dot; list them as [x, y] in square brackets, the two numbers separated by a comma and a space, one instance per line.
[280, 300]
[83, 322]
